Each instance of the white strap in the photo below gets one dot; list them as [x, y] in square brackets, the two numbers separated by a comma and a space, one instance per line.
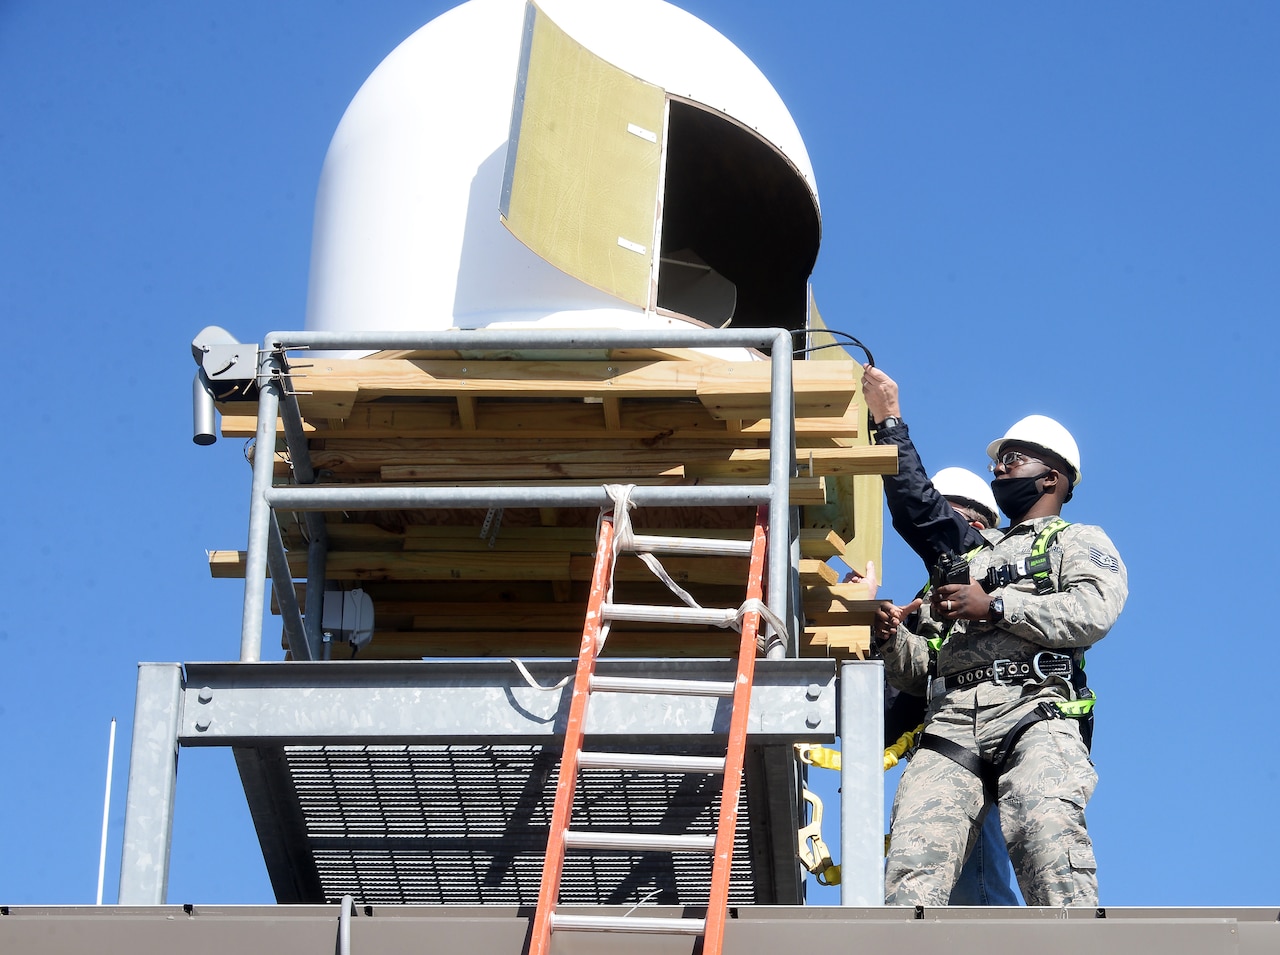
[620, 495]
[528, 677]
[760, 607]
[655, 566]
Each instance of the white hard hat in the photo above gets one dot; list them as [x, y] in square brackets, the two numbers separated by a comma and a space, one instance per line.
[1044, 433]
[963, 483]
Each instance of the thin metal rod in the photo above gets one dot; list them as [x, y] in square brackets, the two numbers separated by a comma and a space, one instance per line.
[527, 338]
[352, 498]
[255, 570]
[295, 631]
[660, 685]
[651, 762]
[709, 546]
[640, 841]
[795, 593]
[317, 562]
[646, 613]
[295, 440]
[106, 809]
[344, 925]
[634, 924]
[781, 467]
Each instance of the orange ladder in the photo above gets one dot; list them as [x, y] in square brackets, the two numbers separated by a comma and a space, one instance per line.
[599, 611]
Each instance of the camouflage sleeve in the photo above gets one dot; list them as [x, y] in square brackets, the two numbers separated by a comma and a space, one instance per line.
[1092, 587]
[906, 661]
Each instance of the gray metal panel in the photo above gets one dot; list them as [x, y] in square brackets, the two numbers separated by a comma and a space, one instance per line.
[437, 701]
[760, 930]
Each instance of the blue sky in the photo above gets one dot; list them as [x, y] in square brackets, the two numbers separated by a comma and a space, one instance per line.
[1065, 209]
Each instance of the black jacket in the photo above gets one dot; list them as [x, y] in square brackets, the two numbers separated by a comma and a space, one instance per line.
[921, 516]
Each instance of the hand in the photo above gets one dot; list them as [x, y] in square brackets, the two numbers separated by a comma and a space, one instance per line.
[869, 578]
[960, 602]
[880, 393]
[889, 617]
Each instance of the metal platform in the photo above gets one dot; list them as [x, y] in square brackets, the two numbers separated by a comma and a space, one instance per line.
[468, 824]
[429, 782]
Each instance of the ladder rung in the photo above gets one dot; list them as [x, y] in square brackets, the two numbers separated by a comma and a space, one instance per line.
[667, 687]
[708, 546]
[644, 925]
[654, 614]
[640, 842]
[652, 762]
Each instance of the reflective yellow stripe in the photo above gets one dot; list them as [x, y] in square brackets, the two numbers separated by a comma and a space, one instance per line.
[1076, 709]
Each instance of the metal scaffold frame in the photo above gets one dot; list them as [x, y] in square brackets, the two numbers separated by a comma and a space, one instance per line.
[276, 704]
[265, 550]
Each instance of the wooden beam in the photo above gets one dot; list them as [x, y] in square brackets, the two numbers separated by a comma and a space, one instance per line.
[823, 384]
[409, 645]
[853, 640]
[467, 412]
[640, 420]
[754, 462]
[470, 565]
[820, 542]
[838, 598]
[403, 460]
[604, 471]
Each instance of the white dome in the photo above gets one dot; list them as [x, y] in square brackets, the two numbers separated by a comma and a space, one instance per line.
[407, 232]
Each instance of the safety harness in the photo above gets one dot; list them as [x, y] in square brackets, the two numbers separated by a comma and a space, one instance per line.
[1042, 666]
[1037, 566]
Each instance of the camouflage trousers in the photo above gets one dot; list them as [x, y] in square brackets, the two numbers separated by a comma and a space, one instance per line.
[940, 805]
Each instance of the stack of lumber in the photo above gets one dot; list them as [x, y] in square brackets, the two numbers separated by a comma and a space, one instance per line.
[471, 582]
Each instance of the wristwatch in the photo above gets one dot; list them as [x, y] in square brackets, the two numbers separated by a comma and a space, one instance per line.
[890, 422]
[996, 609]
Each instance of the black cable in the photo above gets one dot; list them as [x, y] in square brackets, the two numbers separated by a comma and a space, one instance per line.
[871, 424]
[834, 332]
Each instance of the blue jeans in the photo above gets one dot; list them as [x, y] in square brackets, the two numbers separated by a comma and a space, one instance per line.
[987, 876]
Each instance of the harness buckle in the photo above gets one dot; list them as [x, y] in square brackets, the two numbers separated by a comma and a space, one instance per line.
[998, 668]
[997, 577]
[1048, 664]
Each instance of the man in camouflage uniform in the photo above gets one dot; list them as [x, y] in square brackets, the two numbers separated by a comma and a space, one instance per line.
[1006, 668]
[924, 511]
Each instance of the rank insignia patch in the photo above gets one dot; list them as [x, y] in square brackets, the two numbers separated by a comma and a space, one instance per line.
[1104, 560]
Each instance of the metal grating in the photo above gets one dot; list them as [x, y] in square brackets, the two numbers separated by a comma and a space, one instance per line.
[467, 825]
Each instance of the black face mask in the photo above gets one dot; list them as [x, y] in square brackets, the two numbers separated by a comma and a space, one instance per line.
[1017, 495]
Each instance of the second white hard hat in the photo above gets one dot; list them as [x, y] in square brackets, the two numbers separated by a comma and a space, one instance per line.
[963, 483]
[1042, 432]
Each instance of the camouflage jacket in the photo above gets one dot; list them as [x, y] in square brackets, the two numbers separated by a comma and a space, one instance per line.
[1091, 585]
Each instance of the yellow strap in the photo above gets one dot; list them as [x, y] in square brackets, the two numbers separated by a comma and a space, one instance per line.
[820, 756]
[826, 758]
[903, 743]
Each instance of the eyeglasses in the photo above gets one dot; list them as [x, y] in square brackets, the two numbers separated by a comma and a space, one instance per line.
[1011, 460]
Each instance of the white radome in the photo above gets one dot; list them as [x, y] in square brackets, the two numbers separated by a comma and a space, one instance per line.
[407, 235]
